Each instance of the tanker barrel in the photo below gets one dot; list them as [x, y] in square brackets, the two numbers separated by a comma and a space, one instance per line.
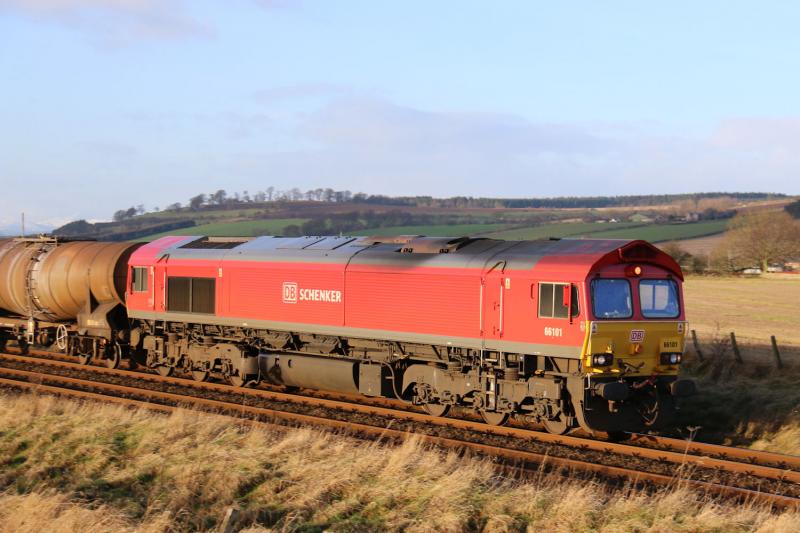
[52, 281]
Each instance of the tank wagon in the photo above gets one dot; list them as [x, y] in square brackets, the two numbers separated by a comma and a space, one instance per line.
[70, 294]
[565, 333]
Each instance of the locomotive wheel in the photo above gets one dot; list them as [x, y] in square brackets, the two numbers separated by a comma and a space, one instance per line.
[164, 370]
[200, 375]
[556, 427]
[617, 436]
[114, 356]
[648, 406]
[494, 418]
[436, 409]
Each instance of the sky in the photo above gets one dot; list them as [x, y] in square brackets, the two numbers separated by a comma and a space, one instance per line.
[105, 104]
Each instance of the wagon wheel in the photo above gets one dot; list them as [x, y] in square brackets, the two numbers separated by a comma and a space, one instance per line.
[62, 338]
[236, 380]
[556, 427]
[494, 418]
[23, 345]
[164, 370]
[436, 409]
[113, 356]
[83, 357]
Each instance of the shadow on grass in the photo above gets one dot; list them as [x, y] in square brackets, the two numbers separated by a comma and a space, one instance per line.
[737, 403]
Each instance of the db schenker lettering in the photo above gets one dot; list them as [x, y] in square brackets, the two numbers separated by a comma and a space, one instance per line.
[321, 295]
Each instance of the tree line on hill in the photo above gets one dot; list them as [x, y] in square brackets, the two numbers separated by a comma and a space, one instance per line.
[221, 199]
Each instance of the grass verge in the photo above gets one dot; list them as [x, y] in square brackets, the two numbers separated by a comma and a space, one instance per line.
[69, 466]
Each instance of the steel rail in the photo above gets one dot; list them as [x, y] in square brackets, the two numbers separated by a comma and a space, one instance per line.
[761, 464]
[521, 461]
[743, 455]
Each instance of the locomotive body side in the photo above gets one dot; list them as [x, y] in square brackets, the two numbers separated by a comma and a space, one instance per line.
[502, 327]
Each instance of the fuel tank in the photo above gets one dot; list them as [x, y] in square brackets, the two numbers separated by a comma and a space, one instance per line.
[46, 279]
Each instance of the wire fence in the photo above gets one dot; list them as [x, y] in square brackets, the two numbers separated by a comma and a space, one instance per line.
[726, 346]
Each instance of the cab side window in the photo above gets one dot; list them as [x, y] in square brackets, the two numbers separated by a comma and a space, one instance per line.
[139, 275]
[554, 302]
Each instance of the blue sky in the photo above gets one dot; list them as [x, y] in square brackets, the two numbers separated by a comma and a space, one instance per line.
[110, 103]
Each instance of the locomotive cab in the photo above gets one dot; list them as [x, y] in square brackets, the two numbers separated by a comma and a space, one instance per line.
[635, 335]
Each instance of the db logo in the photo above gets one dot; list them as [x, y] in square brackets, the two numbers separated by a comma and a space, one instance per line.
[290, 293]
[637, 335]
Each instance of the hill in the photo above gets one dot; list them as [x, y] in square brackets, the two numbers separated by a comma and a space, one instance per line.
[657, 218]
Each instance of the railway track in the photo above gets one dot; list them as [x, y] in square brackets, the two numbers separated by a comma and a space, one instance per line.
[730, 472]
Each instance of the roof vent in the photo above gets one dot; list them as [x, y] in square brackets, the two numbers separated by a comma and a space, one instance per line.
[435, 245]
[638, 251]
[216, 243]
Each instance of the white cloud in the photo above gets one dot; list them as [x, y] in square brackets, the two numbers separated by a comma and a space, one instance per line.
[114, 22]
[380, 147]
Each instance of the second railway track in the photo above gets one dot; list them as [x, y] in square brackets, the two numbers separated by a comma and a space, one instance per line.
[717, 469]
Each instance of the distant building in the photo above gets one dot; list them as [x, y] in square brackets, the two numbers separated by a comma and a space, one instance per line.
[638, 217]
[791, 266]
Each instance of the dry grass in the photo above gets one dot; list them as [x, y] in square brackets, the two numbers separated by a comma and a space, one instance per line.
[68, 466]
[786, 439]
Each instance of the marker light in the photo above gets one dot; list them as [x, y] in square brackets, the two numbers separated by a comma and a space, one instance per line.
[633, 271]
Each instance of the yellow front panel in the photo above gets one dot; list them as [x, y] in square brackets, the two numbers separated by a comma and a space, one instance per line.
[635, 345]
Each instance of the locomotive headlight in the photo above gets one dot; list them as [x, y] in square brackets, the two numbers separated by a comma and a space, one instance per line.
[670, 358]
[602, 359]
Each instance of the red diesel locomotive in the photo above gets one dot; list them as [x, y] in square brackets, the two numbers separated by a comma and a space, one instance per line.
[565, 333]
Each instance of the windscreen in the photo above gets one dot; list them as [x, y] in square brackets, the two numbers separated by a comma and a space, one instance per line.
[659, 298]
[611, 298]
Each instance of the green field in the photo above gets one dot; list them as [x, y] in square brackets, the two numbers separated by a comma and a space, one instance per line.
[559, 229]
[204, 215]
[666, 232]
[456, 230]
[244, 228]
[619, 230]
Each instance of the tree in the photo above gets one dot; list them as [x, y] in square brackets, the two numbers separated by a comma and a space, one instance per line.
[218, 197]
[681, 256]
[119, 216]
[197, 202]
[763, 237]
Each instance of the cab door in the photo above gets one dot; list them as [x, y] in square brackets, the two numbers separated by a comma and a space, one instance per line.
[493, 301]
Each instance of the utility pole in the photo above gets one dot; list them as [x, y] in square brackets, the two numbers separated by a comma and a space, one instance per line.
[23, 225]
